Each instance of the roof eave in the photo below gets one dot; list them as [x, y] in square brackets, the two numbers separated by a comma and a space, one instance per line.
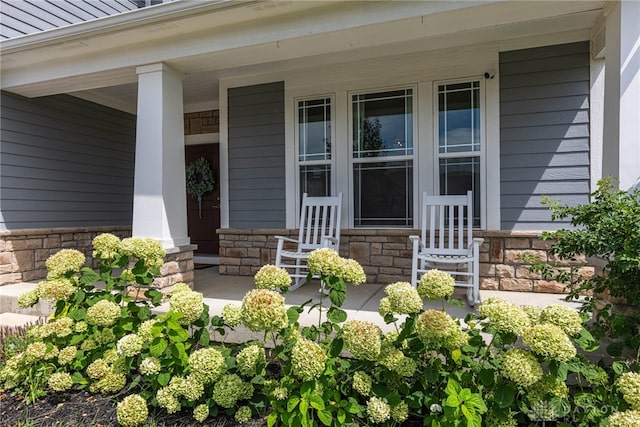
[119, 22]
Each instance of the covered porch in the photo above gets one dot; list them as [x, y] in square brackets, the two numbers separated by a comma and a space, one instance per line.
[247, 60]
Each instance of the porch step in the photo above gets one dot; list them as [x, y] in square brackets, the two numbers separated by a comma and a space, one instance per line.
[9, 300]
[13, 320]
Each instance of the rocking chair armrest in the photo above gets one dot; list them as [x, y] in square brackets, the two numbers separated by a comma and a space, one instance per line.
[330, 239]
[417, 242]
[288, 239]
[476, 241]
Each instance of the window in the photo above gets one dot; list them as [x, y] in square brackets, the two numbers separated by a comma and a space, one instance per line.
[314, 146]
[460, 141]
[382, 152]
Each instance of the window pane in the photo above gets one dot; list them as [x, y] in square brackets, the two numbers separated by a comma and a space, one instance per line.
[314, 129]
[459, 117]
[383, 194]
[457, 176]
[315, 180]
[383, 124]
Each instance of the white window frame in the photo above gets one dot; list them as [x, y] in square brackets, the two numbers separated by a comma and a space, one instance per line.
[481, 154]
[413, 157]
[298, 163]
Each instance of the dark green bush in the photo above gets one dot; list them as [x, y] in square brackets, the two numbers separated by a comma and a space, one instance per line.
[607, 228]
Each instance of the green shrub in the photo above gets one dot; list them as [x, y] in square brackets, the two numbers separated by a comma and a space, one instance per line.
[608, 228]
[505, 366]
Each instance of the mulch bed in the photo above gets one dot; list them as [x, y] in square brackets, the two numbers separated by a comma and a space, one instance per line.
[83, 409]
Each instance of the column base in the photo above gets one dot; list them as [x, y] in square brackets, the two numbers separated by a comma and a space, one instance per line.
[177, 268]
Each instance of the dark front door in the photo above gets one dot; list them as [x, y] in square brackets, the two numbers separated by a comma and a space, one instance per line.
[203, 221]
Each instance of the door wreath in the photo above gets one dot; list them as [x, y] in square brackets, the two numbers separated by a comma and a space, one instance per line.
[200, 180]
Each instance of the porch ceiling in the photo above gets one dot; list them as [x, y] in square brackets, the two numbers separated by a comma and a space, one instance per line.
[258, 37]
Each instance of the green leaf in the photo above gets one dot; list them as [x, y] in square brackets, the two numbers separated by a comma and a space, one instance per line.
[272, 419]
[336, 347]
[456, 302]
[407, 328]
[509, 338]
[504, 395]
[487, 377]
[586, 341]
[127, 326]
[178, 335]
[342, 416]
[79, 296]
[337, 297]
[143, 312]
[158, 346]
[87, 275]
[205, 339]
[559, 369]
[456, 355]
[306, 388]
[293, 315]
[619, 367]
[303, 407]
[453, 401]
[336, 315]
[468, 414]
[178, 351]
[338, 285]
[615, 349]
[78, 314]
[415, 399]
[389, 318]
[326, 418]
[139, 269]
[292, 403]
[465, 394]
[79, 379]
[453, 388]
[155, 296]
[163, 378]
[317, 402]
[75, 339]
[475, 400]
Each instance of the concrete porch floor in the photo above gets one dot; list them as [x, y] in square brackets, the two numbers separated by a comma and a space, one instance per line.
[361, 302]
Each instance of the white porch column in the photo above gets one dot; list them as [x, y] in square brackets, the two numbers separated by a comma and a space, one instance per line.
[621, 153]
[159, 202]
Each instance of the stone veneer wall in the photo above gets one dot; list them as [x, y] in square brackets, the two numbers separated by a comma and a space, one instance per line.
[202, 122]
[178, 267]
[23, 253]
[386, 255]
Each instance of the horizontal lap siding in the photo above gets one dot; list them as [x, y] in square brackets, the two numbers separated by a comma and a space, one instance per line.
[544, 133]
[256, 156]
[65, 162]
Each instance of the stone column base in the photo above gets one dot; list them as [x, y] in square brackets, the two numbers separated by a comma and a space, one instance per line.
[177, 268]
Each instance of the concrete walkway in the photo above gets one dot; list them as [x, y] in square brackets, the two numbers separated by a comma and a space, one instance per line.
[219, 290]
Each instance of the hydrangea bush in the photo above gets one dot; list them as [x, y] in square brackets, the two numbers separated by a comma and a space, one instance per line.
[506, 365]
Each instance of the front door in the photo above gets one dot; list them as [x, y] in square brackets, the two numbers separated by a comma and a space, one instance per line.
[204, 220]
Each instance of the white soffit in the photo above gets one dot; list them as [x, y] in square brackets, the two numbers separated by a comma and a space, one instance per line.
[275, 35]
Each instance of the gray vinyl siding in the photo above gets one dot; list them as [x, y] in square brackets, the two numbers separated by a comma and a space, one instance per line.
[256, 156]
[544, 133]
[64, 162]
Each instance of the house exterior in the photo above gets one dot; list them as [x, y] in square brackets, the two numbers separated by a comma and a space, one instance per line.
[379, 100]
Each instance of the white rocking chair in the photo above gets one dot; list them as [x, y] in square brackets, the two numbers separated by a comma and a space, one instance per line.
[319, 228]
[447, 242]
